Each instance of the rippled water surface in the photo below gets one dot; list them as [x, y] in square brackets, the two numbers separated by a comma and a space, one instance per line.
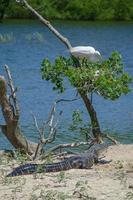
[24, 55]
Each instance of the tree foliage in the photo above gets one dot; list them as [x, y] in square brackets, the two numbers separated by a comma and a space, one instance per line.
[76, 9]
[3, 5]
[106, 78]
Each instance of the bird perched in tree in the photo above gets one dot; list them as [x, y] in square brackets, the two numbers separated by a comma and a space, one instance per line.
[86, 52]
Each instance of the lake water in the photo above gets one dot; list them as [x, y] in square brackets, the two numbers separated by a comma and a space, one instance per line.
[24, 56]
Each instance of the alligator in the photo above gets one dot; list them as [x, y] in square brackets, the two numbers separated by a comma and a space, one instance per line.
[81, 161]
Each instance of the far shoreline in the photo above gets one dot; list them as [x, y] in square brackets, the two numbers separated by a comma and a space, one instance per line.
[6, 20]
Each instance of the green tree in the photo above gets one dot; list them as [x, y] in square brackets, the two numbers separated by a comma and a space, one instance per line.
[106, 78]
[123, 9]
[85, 9]
[74, 9]
[3, 5]
[106, 10]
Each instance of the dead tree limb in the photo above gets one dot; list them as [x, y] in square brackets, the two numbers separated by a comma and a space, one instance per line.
[11, 129]
[109, 138]
[71, 145]
[51, 123]
[13, 94]
[47, 23]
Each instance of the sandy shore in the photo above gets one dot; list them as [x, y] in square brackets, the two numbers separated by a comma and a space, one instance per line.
[113, 181]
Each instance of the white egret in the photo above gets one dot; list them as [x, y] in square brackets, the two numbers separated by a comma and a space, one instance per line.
[86, 52]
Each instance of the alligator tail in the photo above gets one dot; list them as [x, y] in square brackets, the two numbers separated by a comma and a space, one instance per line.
[23, 170]
[39, 168]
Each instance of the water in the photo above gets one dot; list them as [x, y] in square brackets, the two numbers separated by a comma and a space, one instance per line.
[24, 56]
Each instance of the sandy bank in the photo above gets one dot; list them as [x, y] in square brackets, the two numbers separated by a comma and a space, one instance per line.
[113, 181]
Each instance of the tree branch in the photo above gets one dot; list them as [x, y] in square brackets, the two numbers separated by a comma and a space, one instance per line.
[47, 23]
[13, 95]
[109, 138]
[12, 130]
[52, 124]
[74, 144]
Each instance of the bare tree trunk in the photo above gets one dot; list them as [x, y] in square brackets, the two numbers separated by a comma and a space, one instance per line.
[93, 116]
[11, 130]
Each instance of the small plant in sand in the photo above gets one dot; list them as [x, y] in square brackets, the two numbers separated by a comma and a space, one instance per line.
[20, 157]
[14, 185]
[49, 195]
[129, 196]
[120, 175]
[119, 164]
[81, 191]
[62, 196]
[61, 177]
[33, 197]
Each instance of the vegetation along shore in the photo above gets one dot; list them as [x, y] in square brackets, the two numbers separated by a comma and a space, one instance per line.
[74, 9]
